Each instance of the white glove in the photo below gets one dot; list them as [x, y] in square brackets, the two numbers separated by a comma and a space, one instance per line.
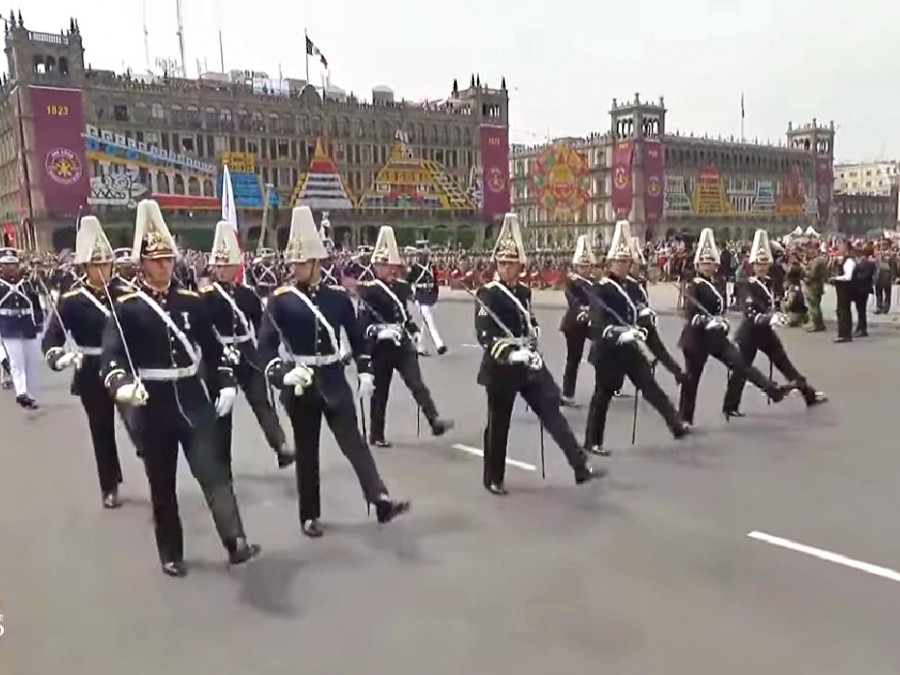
[366, 386]
[536, 362]
[536, 331]
[70, 360]
[520, 355]
[133, 393]
[232, 355]
[225, 401]
[717, 323]
[583, 316]
[391, 333]
[778, 319]
[300, 377]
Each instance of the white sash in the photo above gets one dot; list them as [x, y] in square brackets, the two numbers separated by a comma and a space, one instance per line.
[766, 289]
[16, 290]
[99, 305]
[395, 299]
[422, 272]
[320, 318]
[526, 311]
[646, 298]
[714, 290]
[248, 327]
[182, 338]
[625, 295]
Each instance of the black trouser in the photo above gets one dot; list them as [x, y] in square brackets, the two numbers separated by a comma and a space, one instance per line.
[542, 396]
[658, 349]
[610, 374]
[862, 324]
[385, 361]
[251, 380]
[883, 297]
[721, 348]
[100, 410]
[769, 344]
[574, 352]
[161, 427]
[339, 410]
[844, 317]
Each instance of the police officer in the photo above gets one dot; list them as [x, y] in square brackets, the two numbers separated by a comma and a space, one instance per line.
[393, 337]
[303, 320]
[264, 275]
[576, 319]
[616, 349]
[706, 332]
[512, 365]
[21, 320]
[73, 340]
[236, 313]
[152, 353]
[756, 332]
[423, 279]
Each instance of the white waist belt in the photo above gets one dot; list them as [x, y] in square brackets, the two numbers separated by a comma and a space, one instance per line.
[89, 351]
[15, 312]
[167, 374]
[230, 340]
[324, 360]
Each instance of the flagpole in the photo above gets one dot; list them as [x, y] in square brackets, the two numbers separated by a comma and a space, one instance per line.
[742, 118]
[306, 51]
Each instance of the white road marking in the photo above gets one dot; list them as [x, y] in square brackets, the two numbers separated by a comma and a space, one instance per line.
[470, 346]
[480, 453]
[826, 555]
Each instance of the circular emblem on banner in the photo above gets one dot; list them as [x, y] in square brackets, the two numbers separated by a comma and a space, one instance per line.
[654, 187]
[63, 166]
[823, 192]
[621, 177]
[496, 181]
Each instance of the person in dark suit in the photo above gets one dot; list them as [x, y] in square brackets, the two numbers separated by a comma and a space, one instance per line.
[843, 286]
[862, 284]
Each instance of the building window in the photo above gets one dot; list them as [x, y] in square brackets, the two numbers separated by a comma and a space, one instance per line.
[120, 113]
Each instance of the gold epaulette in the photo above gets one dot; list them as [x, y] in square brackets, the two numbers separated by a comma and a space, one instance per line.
[127, 296]
[281, 290]
[337, 287]
[69, 294]
[185, 291]
[207, 289]
[365, 283]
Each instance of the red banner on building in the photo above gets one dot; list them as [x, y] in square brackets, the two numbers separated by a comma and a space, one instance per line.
[495, 163]
[622, 188]
[59, 164]
[654, 179]
[824, 186]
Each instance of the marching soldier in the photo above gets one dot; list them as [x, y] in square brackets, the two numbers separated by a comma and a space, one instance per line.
[331, 272]
[575, 322]
[73, 340]
[393, 337]
[423, 280]
[362, 263]
[264, 275]
[647, 317]
[185, 274]
[152, 353]
[706, 332]
[125, 279]
[21, 319]
[304, 319]
[757, 333]
[616, 350]
[507, 330]
[236, 313]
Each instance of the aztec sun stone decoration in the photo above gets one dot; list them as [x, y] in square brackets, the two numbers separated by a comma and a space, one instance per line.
[561, 180]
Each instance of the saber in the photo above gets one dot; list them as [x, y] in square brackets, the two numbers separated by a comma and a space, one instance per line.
[70, 341]
[115, 316]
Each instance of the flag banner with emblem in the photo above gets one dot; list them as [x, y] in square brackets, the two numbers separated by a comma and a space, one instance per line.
[58, 160]
[622, 193]
[654, 179]
[495, 171]
[312, 50]
[824, 187]
[229, 213]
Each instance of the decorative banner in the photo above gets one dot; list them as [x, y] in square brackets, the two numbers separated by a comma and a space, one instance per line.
[59, 163]
[495, 162]
[622, 191]
[792, 198]
[824, 186]
[654, 174]
[118, 189]
[709, 193]
[561, 180]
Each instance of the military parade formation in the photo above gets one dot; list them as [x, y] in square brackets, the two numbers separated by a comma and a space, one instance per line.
[147, 345]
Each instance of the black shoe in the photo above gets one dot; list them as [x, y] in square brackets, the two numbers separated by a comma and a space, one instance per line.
[380, 443]
[681, 429]
[569, 402]
[586, 473]
[240, 551]
[22, 400]
[681, 377]
[111, 500]
[733, 413]
[31, 404]
[387, 509]
[598, 450]
[815, 329]
[7, 385]
[285, 457]
[496, 489]
[816, 398]
[439, 427]
[860, 334]
[175, 569]
[442, 350]
[843, 339]
[312, 529]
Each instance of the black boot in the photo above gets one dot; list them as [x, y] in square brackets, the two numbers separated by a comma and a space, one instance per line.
[439, 427]
[386, 509]
[239, 551]
[174, 568]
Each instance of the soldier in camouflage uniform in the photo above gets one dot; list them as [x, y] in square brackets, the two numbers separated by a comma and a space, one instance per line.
[817, 274]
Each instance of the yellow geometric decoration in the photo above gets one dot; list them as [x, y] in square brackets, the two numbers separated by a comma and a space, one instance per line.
[709, 194]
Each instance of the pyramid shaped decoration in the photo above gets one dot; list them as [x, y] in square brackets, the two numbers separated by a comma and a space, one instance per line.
[709, 194]
[677, 201]
[764, 202]
[321, 188]
[407, 182]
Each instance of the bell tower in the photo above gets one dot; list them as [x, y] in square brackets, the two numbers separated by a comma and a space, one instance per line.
[49, 59]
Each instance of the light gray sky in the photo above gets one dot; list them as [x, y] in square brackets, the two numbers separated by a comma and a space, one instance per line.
[563, 62]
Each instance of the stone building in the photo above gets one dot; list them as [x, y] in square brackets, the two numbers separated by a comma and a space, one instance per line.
[866, 178]
[74, 138]
[669, 183]
[864, 215]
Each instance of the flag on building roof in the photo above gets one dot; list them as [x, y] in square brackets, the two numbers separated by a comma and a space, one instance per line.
[312, 50]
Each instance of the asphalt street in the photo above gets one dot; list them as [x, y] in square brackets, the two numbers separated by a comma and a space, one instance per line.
[649, 571]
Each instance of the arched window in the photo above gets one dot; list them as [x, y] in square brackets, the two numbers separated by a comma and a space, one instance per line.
[178, 185]
[273, 126]
[194, 186]
[225, 121]
[63, 65]
[176, 116]
[210, 118]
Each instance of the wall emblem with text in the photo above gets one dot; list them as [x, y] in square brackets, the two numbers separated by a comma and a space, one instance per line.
[116, 190]
[496, 180]
[63, 166]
